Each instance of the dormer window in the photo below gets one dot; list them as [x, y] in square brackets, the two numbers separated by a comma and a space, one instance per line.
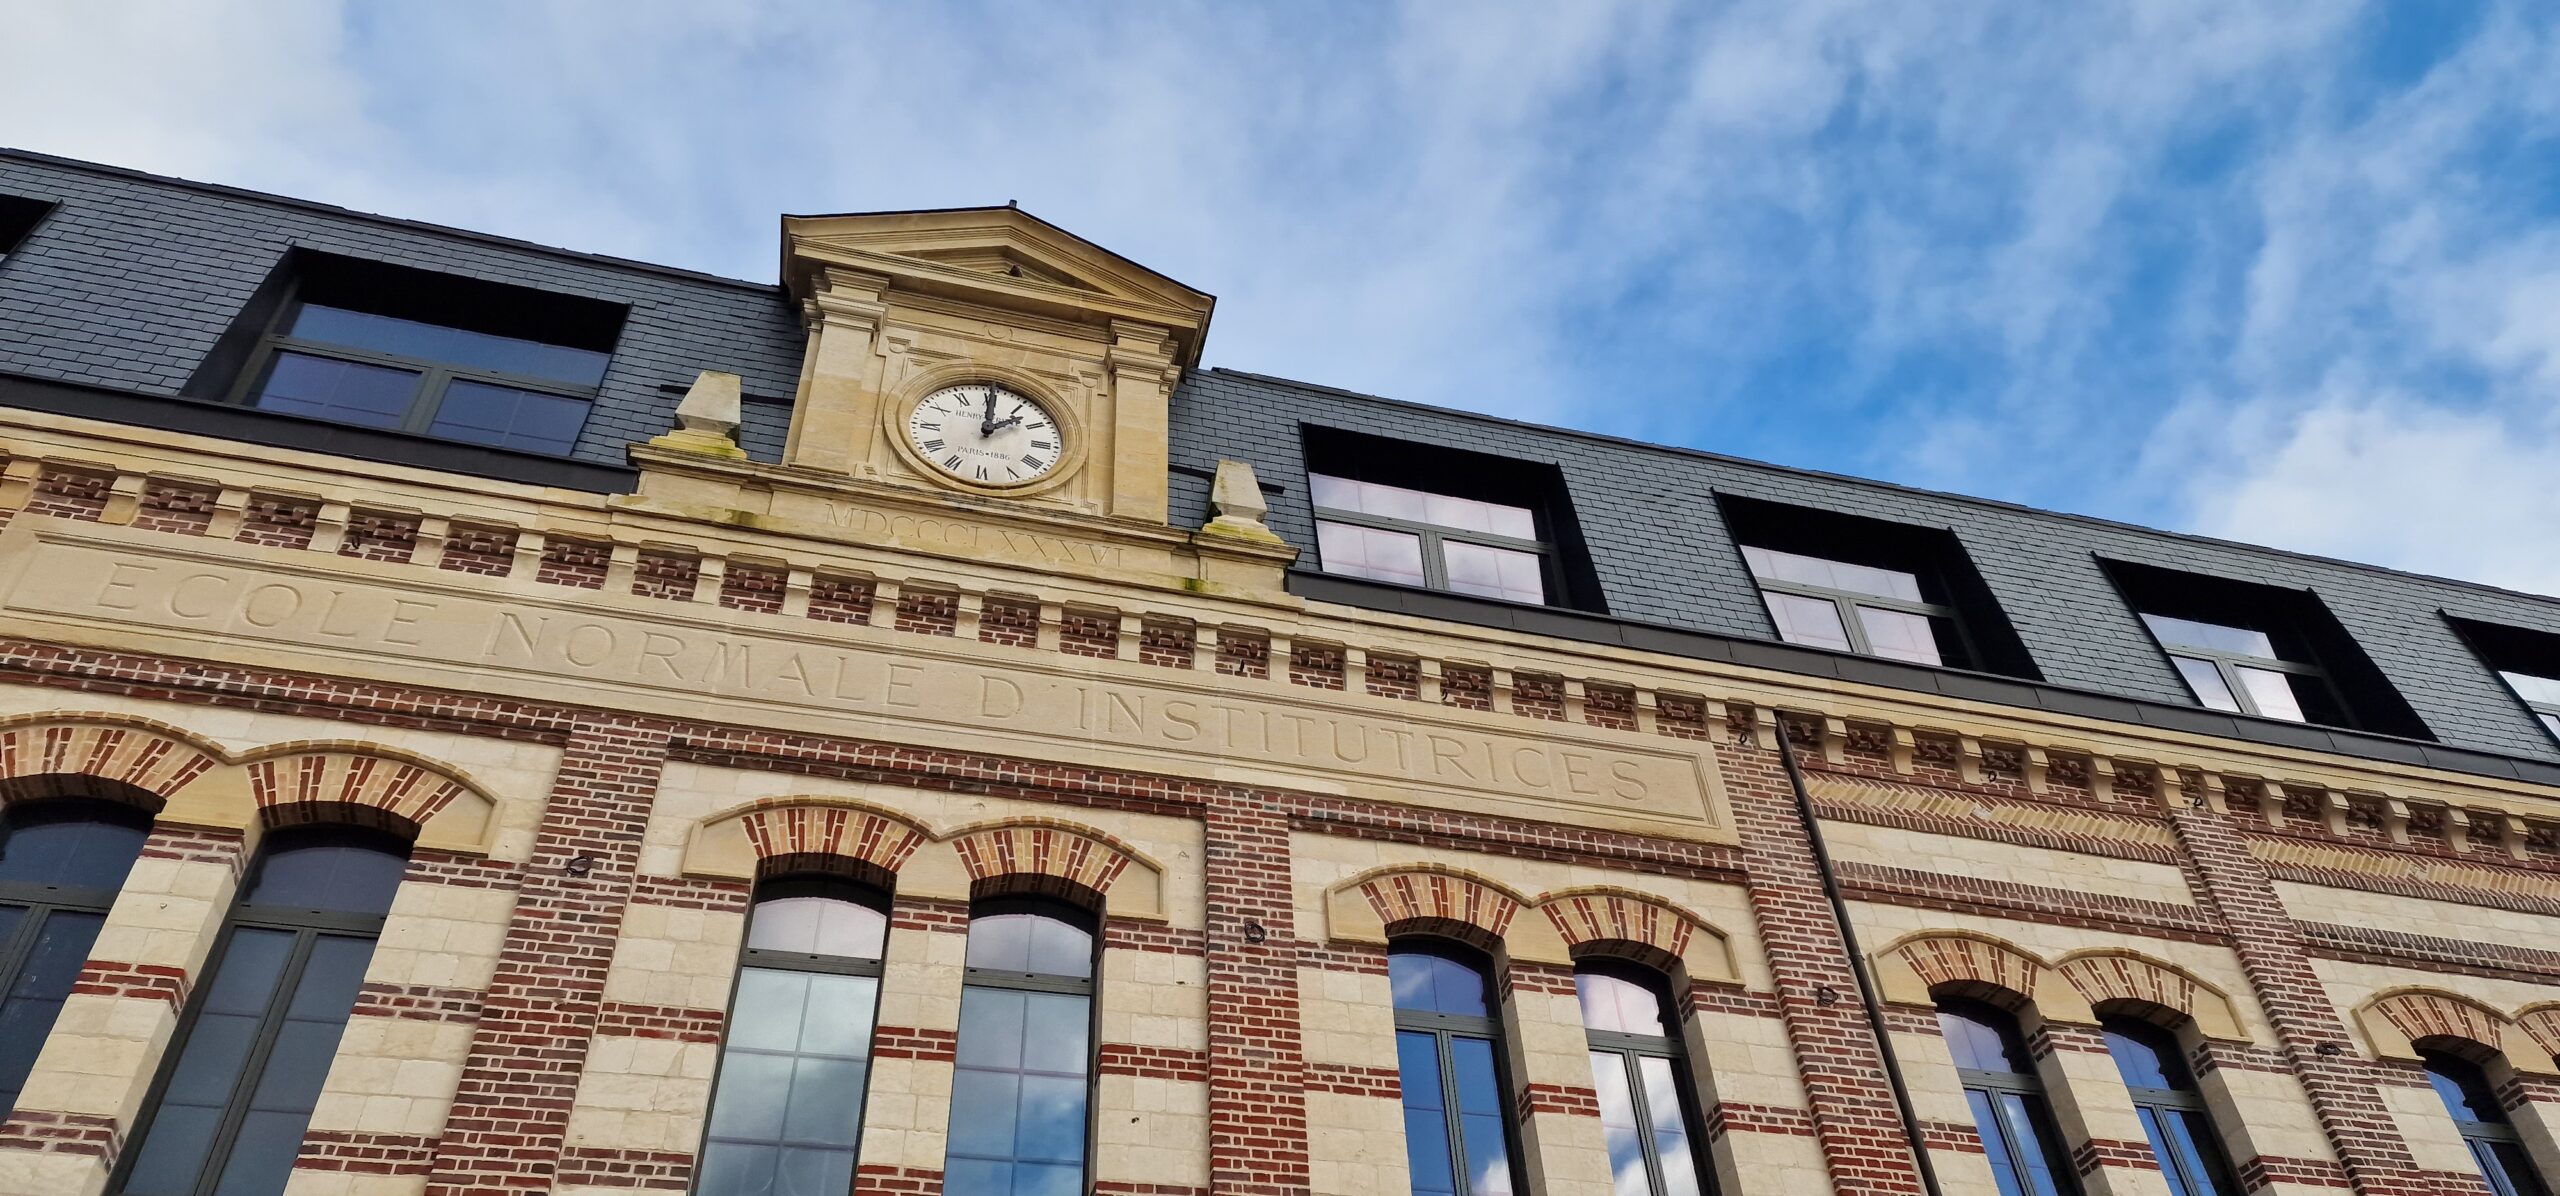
[2527, 660]
[1438, 518]
[1415, 538]
[2265, 651]
[1871, 587]
[19, 217]
[457, 359]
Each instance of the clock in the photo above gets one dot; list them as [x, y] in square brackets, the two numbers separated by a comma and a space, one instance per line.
[986, 434]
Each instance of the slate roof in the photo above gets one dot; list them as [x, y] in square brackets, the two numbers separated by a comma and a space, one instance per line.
[127, 283]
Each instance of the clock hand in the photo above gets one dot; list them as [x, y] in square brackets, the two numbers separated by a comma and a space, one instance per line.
[987, 424]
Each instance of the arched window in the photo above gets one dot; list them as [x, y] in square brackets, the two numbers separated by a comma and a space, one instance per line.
[1639, 1067]
[1022, 1091]
[2008, 1101]
[1457, 1112]
[236, 1092]
[2483, 1121]
[61, 862]
[2172, 1111]
[786, 1114]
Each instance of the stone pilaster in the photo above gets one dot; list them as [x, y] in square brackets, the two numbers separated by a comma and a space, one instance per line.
[1151, 1093]
[1561, 1142]
[906, 1120]
[2095, 1114]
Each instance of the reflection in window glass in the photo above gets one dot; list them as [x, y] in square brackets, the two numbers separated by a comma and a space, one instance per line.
[1022, 1080]
[379, 371]
[61, 862]
[795, 1065]
[2172, 1112]
[1412, 537]
[240, 1085]
[2212, 637]
[1814, 622]
[2495, 1146]
[346, 392]
[2541, 693]
[1899, 635]
[1457, 1117]
[1636, 1070]
[2271, 694]
[2237, 670]
[2007, 1100]
[2206, 680]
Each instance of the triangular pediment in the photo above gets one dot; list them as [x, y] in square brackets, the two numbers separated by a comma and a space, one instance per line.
[1000, 256]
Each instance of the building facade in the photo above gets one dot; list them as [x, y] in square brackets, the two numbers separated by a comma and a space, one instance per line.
[476, 718]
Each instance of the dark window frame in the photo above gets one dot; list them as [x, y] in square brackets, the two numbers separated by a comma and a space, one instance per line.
[772, 959]
[1539, 487]
[2219, 1179]
[2228, 666]
[1088, 987]
[2487, 1140]
[1442, 1028]
[308, 926]
[426, 397]
[40, 902]
[1847, 602]
[2354, 694]
[20, 217]
[2026, 1085]
[1435, 564]
[2508, 652]
[1671, 1048]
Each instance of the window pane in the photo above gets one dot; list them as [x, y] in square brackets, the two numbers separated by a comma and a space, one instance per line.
[2509, 1172]
[1485, 1139]
[72, 843]
[1426, 1120]
[2464, 1090]
[1494, 572]
[2144, 1055]
[2551, 721]
[818, 926]
[2026, 1127]
[2542, 691]
[1429, 983]
[1670, 1127]
[2212, 637]
[346, 392]
[1340, 494]
[1995, 1143]
[1619, 1125]
[1901, 635]
[1030, 943]
[1020, 1091]
[1811, 621]
[1369, 552]
[321, 869]
[1774, 565]
[2271, 693]
[454, 346]
[53, 962]
[504, 417]
[1615, 1003]
[1981, 1038]
[2199, 1155]
[2205, 678]
[1395, 502]
[1464, 514]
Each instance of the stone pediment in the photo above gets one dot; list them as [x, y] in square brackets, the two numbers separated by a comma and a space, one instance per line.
[1001, 257]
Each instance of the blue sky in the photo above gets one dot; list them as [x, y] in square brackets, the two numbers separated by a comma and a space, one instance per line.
[2288, 274]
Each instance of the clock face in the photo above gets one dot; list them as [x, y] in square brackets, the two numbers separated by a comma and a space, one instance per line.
[985, 433]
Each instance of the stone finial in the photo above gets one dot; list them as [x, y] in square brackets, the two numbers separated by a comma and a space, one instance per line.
[707, 419]
[1235, 498]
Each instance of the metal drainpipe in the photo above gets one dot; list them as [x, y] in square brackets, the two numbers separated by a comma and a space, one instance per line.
[1857, 963]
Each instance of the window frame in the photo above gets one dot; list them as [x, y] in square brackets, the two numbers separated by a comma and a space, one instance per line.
[1670, 1048]
[40, 902]
[2483, 1138]
[1847, 602]
[2229, 664]
[307, 926]
[2221, 1179]
[1089, 988]
[426, 397]
[774, 959]
[1442, 1027]
[2546, 713]
[1432, 536]
[1995, 1084]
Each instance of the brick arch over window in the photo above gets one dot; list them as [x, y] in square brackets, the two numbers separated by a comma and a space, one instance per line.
[1605, 922]
[2541, 1023]
[1919, 968]
[1042, 848]
[2112, 975]
[2398, 1022]
[319, 780]
[1405, 898]
[868, 837]
[79, 754]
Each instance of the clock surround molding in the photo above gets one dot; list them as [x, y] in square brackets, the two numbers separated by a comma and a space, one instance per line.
[925, 382]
